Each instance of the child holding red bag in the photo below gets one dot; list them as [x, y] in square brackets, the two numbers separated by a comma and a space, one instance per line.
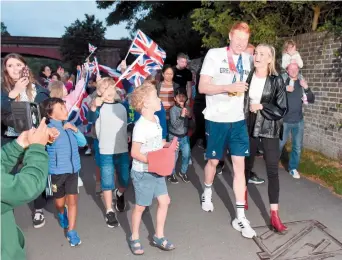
[147, 137]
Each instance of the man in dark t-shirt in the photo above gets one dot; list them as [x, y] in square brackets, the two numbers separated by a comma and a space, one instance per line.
[298, 93]
[183, 76]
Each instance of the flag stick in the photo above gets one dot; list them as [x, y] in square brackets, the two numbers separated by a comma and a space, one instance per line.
[97, 66]
[131, 45]
[128, 69]
[89, 56]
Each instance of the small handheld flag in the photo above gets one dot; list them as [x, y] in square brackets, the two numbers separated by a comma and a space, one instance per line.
[92, 48]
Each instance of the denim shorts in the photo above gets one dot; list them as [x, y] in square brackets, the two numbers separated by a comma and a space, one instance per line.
[96, 152]
[108, 164]
[147, 186]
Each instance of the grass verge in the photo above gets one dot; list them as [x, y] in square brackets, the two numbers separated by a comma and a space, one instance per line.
[318, 168]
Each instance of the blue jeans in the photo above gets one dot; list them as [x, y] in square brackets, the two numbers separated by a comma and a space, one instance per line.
[184, 147]
[107, 169]
[297, 133]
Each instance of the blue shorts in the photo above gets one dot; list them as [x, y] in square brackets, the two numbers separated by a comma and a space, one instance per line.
[223, 136]
[96, 152]
[147, 186]
[108, 163]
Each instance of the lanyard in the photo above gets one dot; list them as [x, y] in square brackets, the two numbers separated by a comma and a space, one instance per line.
[232, 66]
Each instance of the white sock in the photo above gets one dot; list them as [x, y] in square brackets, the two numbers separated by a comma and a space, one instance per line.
[109, 210]
[240, 210]
[118, 193]
[207, 189]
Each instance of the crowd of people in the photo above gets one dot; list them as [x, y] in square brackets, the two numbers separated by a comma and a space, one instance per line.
[235, 104]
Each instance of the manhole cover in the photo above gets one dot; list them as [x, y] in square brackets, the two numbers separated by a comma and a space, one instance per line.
[305, 240]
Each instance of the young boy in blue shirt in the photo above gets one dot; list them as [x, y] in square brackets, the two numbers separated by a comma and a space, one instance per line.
[64, 166]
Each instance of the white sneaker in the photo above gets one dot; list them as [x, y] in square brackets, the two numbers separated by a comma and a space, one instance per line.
[80, 182]
[190, 161]
[243, 226]
[294, 174]
[207, 204]
[88, 152]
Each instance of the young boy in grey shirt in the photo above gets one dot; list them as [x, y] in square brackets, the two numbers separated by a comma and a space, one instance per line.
[178, 127]
[111, 131]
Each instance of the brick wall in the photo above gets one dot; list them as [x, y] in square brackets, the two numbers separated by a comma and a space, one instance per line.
[323, 72]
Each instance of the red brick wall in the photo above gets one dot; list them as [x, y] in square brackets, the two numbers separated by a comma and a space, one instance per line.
[321, 54]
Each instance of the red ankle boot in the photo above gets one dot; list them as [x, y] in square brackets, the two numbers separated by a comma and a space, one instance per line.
[246, 200]
[276, 223]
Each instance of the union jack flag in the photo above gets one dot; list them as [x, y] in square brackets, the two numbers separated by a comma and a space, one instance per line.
[140, 69]
[111, 72]
[92, 48]
[78, 113]
[142, 44]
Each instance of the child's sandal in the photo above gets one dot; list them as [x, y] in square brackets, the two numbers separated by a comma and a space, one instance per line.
[160, 243]
[134, 248]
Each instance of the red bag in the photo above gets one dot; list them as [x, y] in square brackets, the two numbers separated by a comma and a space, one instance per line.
[162, 161]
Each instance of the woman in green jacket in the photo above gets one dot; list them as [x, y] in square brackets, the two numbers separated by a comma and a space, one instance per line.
[22, 187]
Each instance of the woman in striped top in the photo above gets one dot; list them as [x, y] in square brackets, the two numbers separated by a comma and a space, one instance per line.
[166, 89]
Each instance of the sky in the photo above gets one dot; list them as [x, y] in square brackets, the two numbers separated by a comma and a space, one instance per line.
[49, 18]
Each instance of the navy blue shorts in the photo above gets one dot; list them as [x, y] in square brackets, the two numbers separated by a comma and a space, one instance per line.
[223, 136]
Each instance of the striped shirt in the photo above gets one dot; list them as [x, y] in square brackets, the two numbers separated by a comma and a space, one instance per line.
[167, 97]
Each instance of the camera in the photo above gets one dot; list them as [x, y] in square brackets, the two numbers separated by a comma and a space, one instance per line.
[26, 115]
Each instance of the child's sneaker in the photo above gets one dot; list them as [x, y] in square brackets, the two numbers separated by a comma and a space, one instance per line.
[38, 219]
[111, 220]
[172, 179]
[63, 219]
[184, 177]
[73, 238]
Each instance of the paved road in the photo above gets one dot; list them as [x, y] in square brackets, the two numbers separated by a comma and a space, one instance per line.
[197, 234]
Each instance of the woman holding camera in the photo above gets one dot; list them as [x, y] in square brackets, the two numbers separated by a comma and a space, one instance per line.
[18, 84]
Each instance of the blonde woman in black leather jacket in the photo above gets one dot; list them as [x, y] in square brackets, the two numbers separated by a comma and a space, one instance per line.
[265, 106]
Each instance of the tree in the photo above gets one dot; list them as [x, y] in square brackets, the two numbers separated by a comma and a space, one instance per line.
[74, 46]
[4, 31]
[167, 23]
[270, 21]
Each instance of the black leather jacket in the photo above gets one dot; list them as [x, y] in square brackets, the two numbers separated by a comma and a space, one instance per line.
[268, 123]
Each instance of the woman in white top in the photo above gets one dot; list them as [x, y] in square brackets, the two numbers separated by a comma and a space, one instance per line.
[265, 107]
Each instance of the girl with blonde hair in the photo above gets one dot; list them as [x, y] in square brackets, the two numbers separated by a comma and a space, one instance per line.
[57, 89]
